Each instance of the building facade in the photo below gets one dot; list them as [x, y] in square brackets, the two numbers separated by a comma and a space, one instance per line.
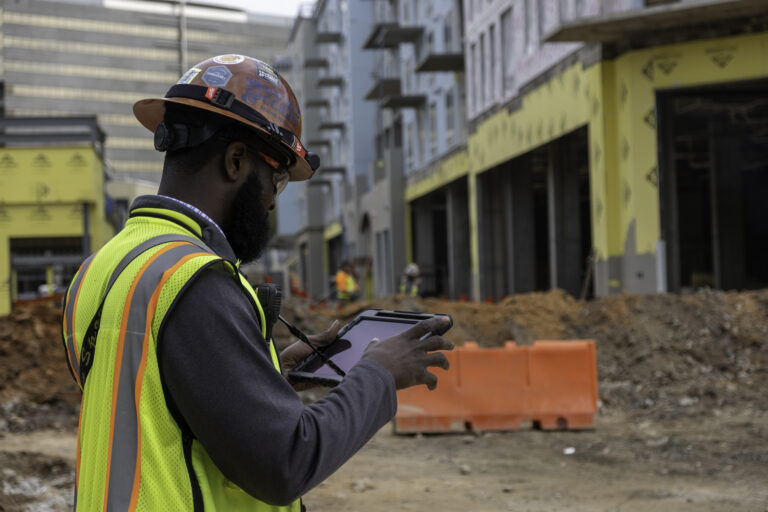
[613, 146]
[98, 57]
[333, 74]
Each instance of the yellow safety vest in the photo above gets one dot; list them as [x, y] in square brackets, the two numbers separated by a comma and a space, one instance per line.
[131, 453]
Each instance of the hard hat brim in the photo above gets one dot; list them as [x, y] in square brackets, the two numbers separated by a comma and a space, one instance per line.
[151, 112]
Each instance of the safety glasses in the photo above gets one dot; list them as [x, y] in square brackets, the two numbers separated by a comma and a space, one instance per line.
[280, 175]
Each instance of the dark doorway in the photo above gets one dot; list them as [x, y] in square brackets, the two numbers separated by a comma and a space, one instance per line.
[714, 180]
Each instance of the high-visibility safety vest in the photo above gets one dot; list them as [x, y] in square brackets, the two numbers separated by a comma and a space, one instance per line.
[131, 453]
[346, 286]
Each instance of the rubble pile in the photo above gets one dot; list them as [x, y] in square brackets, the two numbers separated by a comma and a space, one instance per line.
[36, 388]
[657, 354]
[663, 354]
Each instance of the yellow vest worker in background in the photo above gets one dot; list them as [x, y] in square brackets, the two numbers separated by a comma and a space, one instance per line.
[185, 406]
[347, 288]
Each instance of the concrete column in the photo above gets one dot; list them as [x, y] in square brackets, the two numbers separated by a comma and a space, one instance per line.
[474, 240]
[317, 282]
[564, 221]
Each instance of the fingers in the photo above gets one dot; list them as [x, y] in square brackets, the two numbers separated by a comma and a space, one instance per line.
[427, 326]
[430, 380]
[435, 343]
[437, 359]
[326, 336]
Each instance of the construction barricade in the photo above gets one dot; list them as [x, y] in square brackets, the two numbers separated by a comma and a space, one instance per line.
[550, 383]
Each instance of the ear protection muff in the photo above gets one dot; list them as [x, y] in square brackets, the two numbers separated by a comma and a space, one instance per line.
[170, 137]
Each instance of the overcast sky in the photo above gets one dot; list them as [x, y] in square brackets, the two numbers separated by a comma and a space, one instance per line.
[276, 7]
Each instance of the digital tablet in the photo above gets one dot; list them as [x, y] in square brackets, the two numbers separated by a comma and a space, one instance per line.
[330, 363]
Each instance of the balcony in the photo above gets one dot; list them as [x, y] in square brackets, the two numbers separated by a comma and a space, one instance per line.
[642, 24]
[333, 169]
[383, 87]
[329, 37]
[437, 62]
[313, 143]
[332, 125]
[330, 81]
[388, 92]
[390, 35]
[401, 101]
[317, 103]
[315, 62]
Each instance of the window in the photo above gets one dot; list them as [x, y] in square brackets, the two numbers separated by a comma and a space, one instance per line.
[507, 51]
[481, 82]
[433, 129]
[420, 129]
[492, 62]
[407, 76]
[448, 33]
[473, 77]
[531, 26]
[406, 12]
[449, 118]
[580, 9]
[411, 142]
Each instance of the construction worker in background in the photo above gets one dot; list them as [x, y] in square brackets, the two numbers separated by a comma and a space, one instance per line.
[185, 406]
[347, 288]
[410, 282]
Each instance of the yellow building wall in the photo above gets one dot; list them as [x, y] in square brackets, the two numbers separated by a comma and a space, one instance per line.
[616, 100]
[42, 192]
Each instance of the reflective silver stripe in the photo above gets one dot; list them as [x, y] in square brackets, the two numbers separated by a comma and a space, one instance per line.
[69, 314]
[125, 438]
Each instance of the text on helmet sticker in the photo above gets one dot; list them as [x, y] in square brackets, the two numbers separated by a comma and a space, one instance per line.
[229, 59]
[267, 75]
[189, 76]
[217, 76]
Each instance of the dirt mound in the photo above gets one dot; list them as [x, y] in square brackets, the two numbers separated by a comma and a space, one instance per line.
[662, 352]
[656, 353]
[36, 388]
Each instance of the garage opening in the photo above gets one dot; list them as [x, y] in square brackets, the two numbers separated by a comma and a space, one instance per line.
[714, 181]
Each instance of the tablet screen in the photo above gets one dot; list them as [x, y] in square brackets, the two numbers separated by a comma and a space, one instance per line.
[350, 347]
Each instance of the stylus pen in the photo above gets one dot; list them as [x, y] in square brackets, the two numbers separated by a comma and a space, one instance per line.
[296, 332]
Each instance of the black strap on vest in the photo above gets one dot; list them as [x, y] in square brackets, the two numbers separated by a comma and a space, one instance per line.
[88, 347]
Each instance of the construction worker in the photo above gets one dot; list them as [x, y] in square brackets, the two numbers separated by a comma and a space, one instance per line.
[184, 404]
[347, 288]
[410, 282]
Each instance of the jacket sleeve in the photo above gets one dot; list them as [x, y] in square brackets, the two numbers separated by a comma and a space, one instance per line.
[220, 379]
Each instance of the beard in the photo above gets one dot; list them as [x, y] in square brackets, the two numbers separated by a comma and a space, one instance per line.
[248, 227]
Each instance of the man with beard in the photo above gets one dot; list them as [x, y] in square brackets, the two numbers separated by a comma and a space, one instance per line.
[185, 406]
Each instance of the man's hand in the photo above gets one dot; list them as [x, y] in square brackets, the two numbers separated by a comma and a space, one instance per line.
[298, 350]
[407, 357]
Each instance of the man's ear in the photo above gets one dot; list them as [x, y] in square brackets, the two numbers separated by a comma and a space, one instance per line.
[234, 161]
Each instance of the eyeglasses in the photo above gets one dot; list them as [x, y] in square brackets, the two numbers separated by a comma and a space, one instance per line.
[280, 175]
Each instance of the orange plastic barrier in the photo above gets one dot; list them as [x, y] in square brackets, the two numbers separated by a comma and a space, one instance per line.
[552, 383]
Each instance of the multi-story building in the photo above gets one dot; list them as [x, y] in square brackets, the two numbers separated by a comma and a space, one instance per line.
[335, 76]
[613, 145]
[97, 57]
[420, 96]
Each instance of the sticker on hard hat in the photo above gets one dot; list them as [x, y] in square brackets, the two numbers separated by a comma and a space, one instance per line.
[217, 76]
[229, 59]
[267, 75]
[189, 76]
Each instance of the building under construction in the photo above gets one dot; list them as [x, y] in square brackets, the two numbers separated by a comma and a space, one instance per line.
[612, 146]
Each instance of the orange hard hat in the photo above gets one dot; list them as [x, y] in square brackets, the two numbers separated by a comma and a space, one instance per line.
[246, 90]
